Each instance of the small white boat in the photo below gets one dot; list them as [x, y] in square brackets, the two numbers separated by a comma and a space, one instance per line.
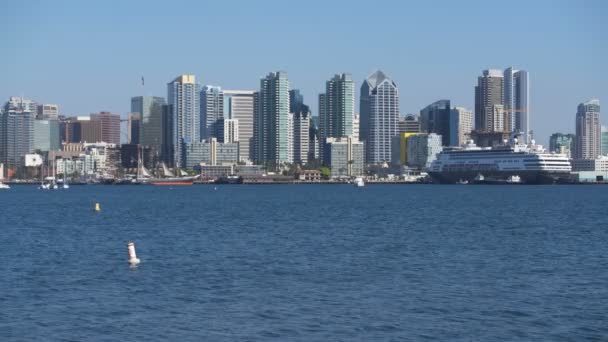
[463, 182]
[359, 182]
[514, 179]
[4, 186]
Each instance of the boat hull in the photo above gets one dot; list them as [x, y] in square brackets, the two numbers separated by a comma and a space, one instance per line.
[499, 177]
[171, 183]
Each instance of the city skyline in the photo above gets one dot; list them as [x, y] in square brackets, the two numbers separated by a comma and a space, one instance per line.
[561, 76]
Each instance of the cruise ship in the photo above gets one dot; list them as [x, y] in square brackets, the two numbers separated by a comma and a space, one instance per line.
[530, 164]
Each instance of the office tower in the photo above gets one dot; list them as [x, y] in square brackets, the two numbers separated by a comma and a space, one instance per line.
[435, 118]
[167, 148]
[562, 143]
[588, 130]
[230, 131]
[212, 111]
[399, 149]
[69, 130]
[46, 135]
[516, 101]
[16, 131]
[90, 129]
[47, 112]
[345, 156]
[489, 99]
[379, 116]
[150, 109]
[133, 128]
[461, 125]
[238, 105]
[408, 124]
[183, 99]
[301, 137]
[296, 101]
[422, 149]
[337, 107]
[271, 120]
[110, 127]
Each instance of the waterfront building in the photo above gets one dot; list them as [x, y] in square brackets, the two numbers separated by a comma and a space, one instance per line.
[211, 152]
[588, 130]
[489, 99]
[379, 115]
[110, 127]
[435, 118]
[599, 164]
[46, 135]
[516, 102]
[562, 143]
[150, 110]
[399, 148]
[183, 99]
[422, 149]
[47, 112]
[301, 136]
[212, 111]
[133, 128]
[271, 120]
[408, 124]
[238, 105]
[345, 156]
[16, 131]
[461, 125]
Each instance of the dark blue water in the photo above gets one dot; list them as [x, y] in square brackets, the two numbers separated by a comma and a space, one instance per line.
[305, 263]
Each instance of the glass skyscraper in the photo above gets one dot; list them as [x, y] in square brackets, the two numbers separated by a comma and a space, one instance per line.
[588, 130]
[379, 116]
[516, 97]
[435, 118]
[183, 99]
[212, 111]
[150, 110]
[337, 107]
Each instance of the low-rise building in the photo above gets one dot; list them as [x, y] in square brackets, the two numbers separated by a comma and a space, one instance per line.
[599, 164]
[345, 156]
[422, 149]
[211, 152]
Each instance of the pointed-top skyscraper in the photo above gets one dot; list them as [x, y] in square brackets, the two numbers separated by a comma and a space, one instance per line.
[379, 116]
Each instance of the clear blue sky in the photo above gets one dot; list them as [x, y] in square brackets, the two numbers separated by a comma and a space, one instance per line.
[89, 56]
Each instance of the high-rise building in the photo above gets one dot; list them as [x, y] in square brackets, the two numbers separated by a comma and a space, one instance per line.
[183, 98]
[408, 124]
[46, 135]
[167, 138]
[562, 143]
[356, 125]
[301, 137]
[399, 149]
[110, 127]
[238, 105]
[133, 128]
[150, 109]
[271, 120]
[230, 131]
[296, 101]
[461, 125]
[588, 130]
[16, 131]
[379, 116]
[489, 95]
[604, 141]
[337, 107]
[212, 111]
[516, 101]
[345, 156]
[47, 112]
[90, 129]
[435, 118]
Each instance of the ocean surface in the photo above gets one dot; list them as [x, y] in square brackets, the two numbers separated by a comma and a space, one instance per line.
[305, 263]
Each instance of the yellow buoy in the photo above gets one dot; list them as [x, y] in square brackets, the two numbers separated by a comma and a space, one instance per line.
[97, 207]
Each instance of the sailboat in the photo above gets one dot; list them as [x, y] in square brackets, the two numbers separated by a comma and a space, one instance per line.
[170, 178]
[2, 185]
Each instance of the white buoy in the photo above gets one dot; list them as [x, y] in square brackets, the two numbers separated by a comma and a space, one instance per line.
[133, 260]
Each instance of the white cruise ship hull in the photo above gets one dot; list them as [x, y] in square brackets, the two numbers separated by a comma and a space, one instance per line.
[498, 177]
